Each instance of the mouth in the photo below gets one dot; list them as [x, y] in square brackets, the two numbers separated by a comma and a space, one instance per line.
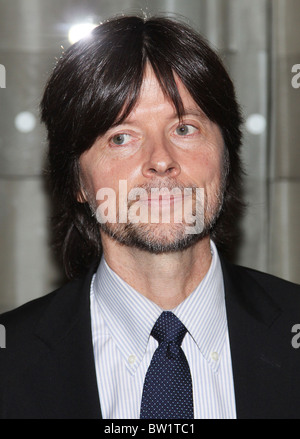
[163, 201]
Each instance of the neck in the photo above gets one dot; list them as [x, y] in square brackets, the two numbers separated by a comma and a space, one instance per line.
[166, 279]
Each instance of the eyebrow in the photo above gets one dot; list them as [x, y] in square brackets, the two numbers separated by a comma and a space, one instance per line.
[186, 112]
[194, 112]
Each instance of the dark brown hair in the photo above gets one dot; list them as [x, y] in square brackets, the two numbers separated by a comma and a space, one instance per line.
[96, 83]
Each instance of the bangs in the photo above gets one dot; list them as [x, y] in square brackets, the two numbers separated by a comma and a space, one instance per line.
[166, 80]
[115, 82]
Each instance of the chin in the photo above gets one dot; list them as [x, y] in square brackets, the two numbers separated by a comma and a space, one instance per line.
[154, 238]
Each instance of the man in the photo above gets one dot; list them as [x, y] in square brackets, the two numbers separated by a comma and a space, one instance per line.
[145, 108]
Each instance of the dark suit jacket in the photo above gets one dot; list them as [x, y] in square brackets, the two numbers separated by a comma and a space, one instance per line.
[47, 368]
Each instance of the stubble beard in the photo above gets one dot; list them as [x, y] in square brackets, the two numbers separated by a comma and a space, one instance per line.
[172, 237]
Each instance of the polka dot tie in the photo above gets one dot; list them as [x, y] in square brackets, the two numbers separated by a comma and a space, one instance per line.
[168, 392]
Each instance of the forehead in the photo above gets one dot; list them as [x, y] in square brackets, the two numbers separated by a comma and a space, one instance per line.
[154, 98]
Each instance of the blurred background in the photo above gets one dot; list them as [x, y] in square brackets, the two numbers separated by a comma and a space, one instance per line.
[259, 41]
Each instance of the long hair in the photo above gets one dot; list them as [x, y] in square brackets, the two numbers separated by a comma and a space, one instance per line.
[96, 84]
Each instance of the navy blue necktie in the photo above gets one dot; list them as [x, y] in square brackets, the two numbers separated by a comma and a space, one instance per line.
[168, 392]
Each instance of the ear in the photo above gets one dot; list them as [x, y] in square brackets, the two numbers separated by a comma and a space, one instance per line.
[81, 196]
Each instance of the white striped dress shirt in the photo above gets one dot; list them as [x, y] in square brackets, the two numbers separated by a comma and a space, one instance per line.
[122, 320]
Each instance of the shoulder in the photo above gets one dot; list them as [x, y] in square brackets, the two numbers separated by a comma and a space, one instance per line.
[25, 317]
[271, 280]
[276, 285]
[20, 322]
[285, 293]
[41, 324]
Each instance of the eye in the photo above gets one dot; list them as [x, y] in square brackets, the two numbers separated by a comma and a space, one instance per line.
[185, 130]
[120, 139]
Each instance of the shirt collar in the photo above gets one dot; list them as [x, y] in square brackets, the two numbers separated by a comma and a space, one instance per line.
[130, 316]
[204, 312]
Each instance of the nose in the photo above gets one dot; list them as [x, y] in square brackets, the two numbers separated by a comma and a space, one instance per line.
[160, 162]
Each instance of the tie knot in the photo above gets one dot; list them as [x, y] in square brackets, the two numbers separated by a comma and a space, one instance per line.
[168, 328]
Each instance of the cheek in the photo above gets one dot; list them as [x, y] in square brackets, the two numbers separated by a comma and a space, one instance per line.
[107, 175]
[111, 172]
[205, 169]
[214, 169]
[101, 178]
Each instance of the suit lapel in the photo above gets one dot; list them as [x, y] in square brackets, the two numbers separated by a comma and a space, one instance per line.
[260, 346]
[68, 360]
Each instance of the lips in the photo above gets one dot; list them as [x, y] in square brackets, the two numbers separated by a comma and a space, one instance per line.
[161, 200]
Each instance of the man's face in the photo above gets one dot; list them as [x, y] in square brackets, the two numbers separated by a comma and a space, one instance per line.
[153, 151]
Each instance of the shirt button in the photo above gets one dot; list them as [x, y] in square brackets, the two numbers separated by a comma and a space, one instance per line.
[214, 356]
[131, 359]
